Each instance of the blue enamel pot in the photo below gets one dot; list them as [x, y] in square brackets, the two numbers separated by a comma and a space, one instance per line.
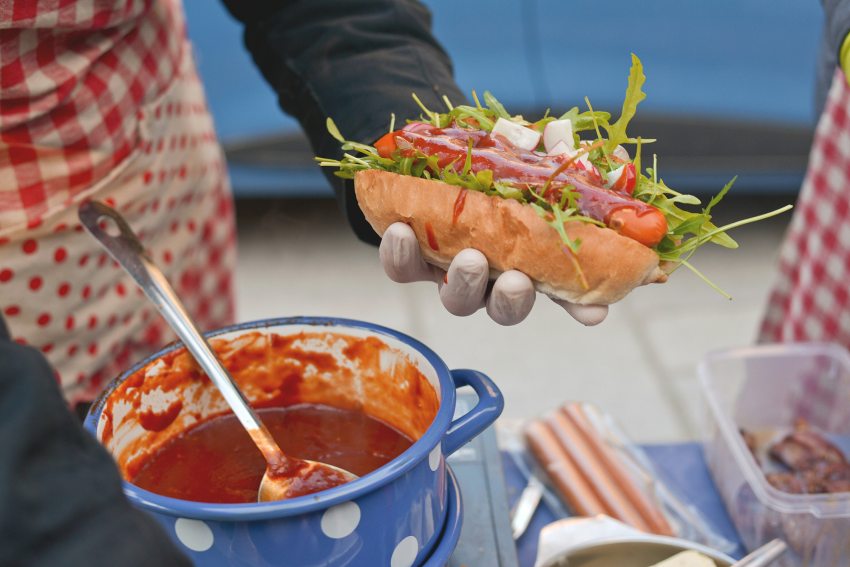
[391, 517]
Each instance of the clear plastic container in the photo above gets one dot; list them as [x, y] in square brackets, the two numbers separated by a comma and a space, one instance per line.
[763, 389]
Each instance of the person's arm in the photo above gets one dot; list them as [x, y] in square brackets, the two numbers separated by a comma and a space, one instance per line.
[355, 61]
[837, 33]
[358, 62]
[61, 501]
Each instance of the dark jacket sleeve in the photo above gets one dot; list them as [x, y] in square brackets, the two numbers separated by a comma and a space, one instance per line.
[835, 29]
[356, 61]
[60, 494]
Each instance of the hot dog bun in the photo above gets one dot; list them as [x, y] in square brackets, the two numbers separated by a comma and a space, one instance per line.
[511, 235]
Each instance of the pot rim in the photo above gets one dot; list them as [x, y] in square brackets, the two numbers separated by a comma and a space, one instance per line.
[381, 476]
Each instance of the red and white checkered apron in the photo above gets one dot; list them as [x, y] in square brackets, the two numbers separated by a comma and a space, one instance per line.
[100, 100]
[811, 297]
[810, 300]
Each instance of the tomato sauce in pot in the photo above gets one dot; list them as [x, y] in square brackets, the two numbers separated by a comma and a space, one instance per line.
[216, 461]
[354, 402]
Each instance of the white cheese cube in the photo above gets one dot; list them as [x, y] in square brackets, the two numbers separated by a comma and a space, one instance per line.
[516, 134]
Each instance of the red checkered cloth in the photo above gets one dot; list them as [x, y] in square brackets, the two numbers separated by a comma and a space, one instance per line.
[810, 300]
[72, 76]
[100, 100]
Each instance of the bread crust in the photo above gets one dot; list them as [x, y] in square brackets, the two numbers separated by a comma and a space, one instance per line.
[511, 235]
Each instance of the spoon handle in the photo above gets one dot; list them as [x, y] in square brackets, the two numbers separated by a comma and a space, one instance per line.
[764, 555]
[126, 249]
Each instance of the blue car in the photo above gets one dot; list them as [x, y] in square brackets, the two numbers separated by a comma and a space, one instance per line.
[730, 83]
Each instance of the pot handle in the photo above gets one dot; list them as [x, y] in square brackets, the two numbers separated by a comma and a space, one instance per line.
[490, 404]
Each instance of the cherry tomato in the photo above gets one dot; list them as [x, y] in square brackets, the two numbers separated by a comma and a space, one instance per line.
[386, 144]
[647, 228]
[626, 182]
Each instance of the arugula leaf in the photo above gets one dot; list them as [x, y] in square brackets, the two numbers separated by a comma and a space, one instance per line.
[587, 120]
[684, 200]
[334, 131]
[433, 117]
[716, 199]
[479, 115]
[634, 95]
[467, 163]
[689, 226]
[701, 276]
[506, 190]
[495, 105]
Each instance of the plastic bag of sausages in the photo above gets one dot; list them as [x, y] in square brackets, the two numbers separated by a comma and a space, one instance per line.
[595, 469]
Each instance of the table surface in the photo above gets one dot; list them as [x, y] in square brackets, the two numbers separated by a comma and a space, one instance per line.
[683, 469]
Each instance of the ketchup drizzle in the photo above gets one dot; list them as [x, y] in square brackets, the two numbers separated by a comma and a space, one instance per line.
[460, 201]
[432, 238]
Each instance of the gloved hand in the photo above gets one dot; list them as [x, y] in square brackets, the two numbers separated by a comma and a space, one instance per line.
[464, 289]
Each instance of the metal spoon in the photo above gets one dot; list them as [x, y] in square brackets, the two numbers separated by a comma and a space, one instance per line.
[764, 555]
[285, 477]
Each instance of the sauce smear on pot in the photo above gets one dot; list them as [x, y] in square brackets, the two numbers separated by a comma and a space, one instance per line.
[216, 461]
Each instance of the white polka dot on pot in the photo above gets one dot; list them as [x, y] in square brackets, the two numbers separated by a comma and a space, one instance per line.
[434, 457]
[341, 520]
[405, 552]
[194, 534]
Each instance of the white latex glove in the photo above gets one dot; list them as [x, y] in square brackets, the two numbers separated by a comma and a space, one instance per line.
[464, 289]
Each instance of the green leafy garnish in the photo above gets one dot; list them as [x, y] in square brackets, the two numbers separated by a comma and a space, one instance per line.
[495, 105]
[334, 131]
[634, 95]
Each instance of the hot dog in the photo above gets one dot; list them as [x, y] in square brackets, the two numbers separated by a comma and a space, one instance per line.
[652, 515]
[576, 214]
[570, 484]
[587, 474]
[615, 501]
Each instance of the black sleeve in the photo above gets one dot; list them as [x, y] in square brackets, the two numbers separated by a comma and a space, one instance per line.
[835, 29]
[60, 493]
[837, 24]
[356, 61]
